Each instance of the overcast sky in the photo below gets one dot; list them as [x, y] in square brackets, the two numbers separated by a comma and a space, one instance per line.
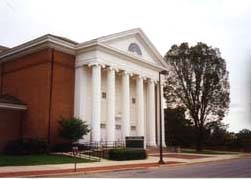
[225, 24]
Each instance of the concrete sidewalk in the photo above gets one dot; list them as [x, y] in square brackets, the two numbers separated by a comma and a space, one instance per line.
[107, 165]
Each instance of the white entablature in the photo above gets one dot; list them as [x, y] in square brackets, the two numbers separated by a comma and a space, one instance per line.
[114, 50]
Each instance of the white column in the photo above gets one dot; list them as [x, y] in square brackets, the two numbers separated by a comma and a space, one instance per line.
[96, 103]
[163, 116]
[140, 106]
[151, 113]
[110, 129]
[79, 92]
[126, 105]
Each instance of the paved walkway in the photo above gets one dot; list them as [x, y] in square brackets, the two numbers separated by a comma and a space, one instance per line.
[106, 165]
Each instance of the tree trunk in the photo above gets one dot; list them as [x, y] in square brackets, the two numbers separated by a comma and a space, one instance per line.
[199, 142]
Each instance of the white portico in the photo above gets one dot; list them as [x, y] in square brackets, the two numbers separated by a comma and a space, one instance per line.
[116, 87]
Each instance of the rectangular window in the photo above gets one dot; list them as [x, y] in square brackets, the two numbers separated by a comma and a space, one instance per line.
[133, 127]
[102, 126]
[117, 118]
[133, 100]
[104, 95]
[118, 126]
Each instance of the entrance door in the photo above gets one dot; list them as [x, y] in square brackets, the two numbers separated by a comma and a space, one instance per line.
[103, 133]
[118, 133]
[133, 131]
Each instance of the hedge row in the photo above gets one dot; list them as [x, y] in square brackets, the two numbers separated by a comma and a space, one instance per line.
[27, 146]
[127, 154]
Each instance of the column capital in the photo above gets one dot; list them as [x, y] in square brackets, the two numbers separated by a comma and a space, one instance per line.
[112, 68]
[140, 77]
[162, 84]
[96, 64]
[150, 80]
[124, 72]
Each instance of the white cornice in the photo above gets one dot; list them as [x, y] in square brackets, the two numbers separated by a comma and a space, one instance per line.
[119, 53]
[130, 57]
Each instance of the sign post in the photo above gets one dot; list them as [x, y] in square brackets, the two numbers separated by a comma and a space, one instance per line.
[75, 152]
[161, 161]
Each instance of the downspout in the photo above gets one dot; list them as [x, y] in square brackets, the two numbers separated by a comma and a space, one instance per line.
[50, 94]
[22, 117]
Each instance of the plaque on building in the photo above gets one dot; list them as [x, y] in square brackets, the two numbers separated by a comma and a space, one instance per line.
[134, 142]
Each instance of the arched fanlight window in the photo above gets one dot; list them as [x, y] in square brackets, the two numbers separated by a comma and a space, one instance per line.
[133, 47]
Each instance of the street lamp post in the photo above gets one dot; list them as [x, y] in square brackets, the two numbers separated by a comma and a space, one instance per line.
[161, 161]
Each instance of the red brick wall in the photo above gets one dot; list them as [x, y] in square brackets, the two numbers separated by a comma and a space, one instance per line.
[1, 77]
[10, 126]
[62, 91]
[29, 79]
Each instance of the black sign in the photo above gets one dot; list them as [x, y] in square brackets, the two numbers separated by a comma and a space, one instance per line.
[135, 142]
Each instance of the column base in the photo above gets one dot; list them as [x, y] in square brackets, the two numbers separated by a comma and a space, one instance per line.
[152, 144]
[163, 144]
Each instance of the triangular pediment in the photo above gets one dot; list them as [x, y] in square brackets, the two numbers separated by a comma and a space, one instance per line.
[134, 42]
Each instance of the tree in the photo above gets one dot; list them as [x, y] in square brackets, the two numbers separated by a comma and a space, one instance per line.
[217, 134]
[244, 138]
[198, 79]
[178, 129]
[72, 129]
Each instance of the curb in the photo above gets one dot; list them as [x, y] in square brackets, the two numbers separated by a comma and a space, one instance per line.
[132, 167]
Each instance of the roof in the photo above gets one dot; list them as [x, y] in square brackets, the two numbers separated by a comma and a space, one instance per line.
[64, 39]
[3, 48]
[11, 102]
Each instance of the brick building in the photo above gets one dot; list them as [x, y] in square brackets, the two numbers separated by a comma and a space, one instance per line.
[110, 82]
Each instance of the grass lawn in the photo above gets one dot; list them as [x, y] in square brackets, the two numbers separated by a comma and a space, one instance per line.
[12, 160]
[207, 152]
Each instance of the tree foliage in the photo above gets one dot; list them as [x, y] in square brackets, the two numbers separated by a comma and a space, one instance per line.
[244, 138]
[198, 79]
[216, 134]
[179, 131]
[72, 129]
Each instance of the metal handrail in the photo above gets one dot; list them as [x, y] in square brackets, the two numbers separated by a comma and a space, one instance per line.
[98, 149]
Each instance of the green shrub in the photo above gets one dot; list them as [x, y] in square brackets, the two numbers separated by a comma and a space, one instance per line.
[64, 147]
[72, 129]
[127, 154]
[27, 146]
